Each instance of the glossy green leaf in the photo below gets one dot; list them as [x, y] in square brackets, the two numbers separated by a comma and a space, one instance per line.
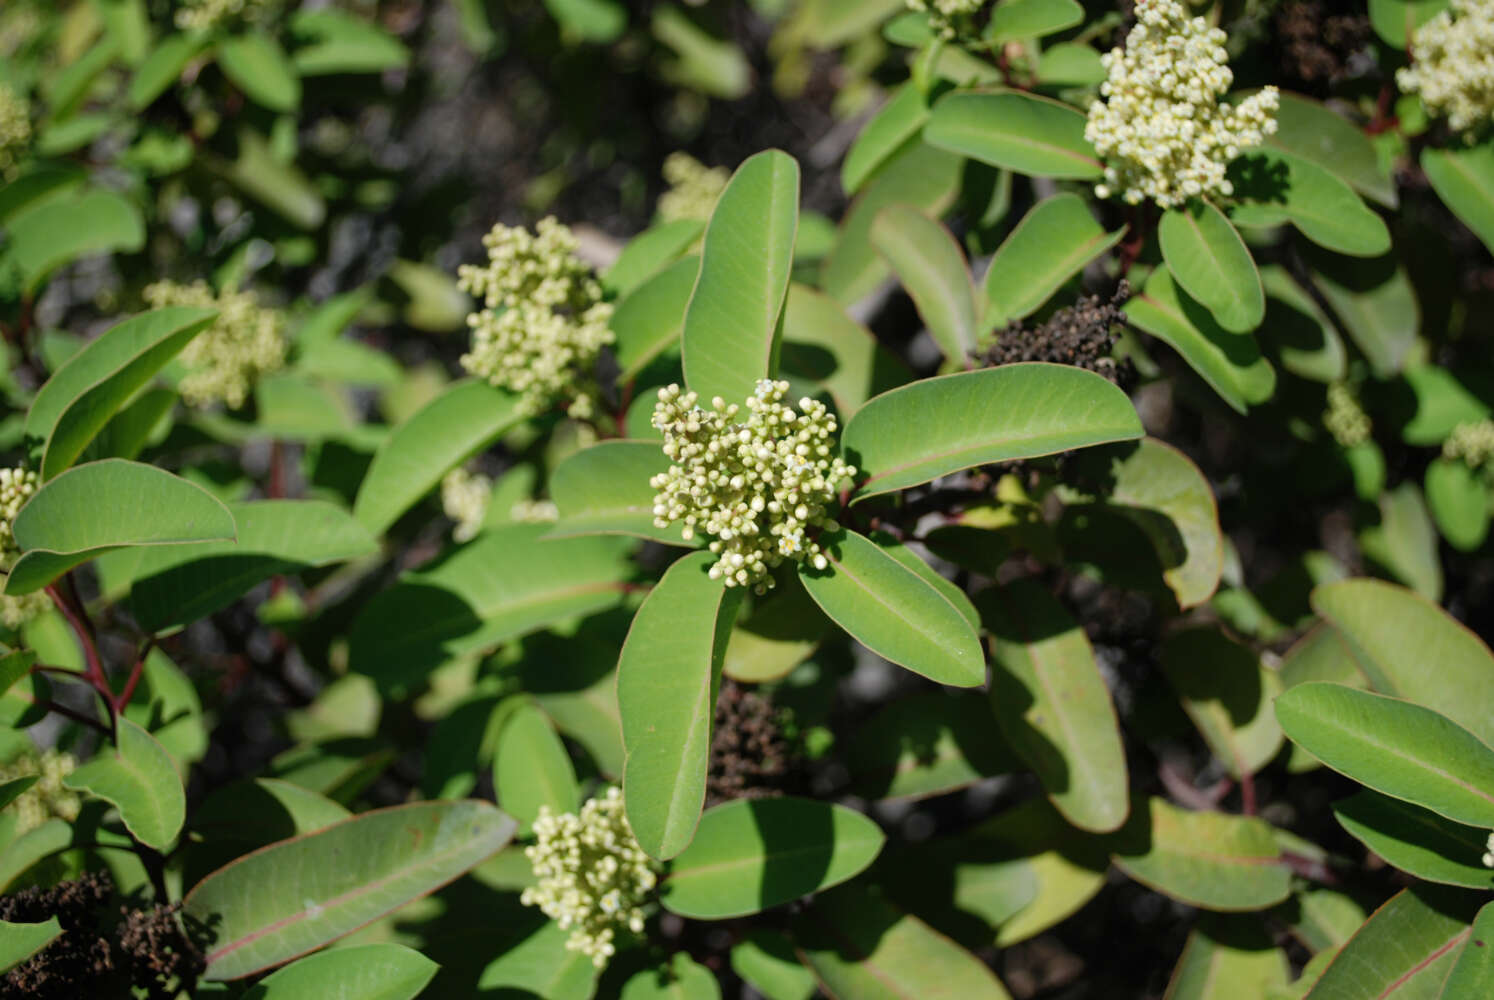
[1053, 706]
[783, 630]
[952, 593]
[1031, 135]
[364, 972]
[752, 854]
[1274, 187]
[1458, 499]
[162, 67]
[649, 253]
[936, 426]
[649, 320]
[260, 811]
[1464, 180]
[1316, 132]
[667, 677]
[1395, 747]
[821, 342]
[64, 524]
[604, 490]
[60, 230]
[895, 123]
[1417, 840]
[342, 43]
[293, 897]
[1405, 949]
[766, 960]
[1377, 305]
[1227, 958]
[1304, 338]
[532, 769]
[681, 978]
[138, 777]
[1055, 240]
[19, 941]
[461, 421]
[508, 581]
[258, 66]
[927, 744]
[1227, 693]
[932, 268]
[1211, 263]
[1230, 363]
[1207, 859]
[730, 338]
[1396, 21]
[1071, 64]
[537, 965]
[894, 612]
[1014, 20]
[1473, 974]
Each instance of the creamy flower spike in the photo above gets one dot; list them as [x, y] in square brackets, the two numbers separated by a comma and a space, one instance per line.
[16, 487]
[225, 361]
[1345, 418]
[464, 499]
[947, 17]
[1161, 129]
[1488, 858]
[1473, 443]
[693, 188]
[201, 14]
[1452, 64]
[544, 323]
[593, 876]
[757, 487]
[15, 129]
[47, 799]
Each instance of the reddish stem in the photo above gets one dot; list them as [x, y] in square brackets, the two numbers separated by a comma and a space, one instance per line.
[135, 672]
[1247, 793]
[76, 716]
[83, 629]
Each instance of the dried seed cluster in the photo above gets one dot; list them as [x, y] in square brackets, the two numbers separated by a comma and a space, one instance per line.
[1471, 442]
[544, 321]
[693, 188]
[47, 799]
[1452, 64]
[757, 487]
[15, 129]
[224, 361]
[593, 876]
[947, 17]
[464, 498]
[1345, 418]
[1161, 128]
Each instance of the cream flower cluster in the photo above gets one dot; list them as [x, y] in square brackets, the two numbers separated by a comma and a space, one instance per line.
[693, 188]
[544, 323]
[224, 361]
[15, 129]
[593, 876]
[947, 17]
[756, 487]
[1452, 65]
[1473, 443]
[534, 511]
[47, 799]
[1345, 418]
[203, 14]
[17, 611]
[1488, 858]
[16, 487]
[1161, 129]
[464, 499]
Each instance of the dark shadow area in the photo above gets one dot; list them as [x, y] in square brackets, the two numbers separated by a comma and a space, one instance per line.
[1205, 665]
[911, 731]
[404, 632]
[1260, 178]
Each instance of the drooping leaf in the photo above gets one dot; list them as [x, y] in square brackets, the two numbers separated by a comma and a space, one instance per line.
[894, 612]
[925, 745]
[1464, 180]
[1305, 339]
[1054, 241]
[1404, 542]
[932, 268]
[730, 337]
[1211, 263]
[897, 121]
[604, 490]
[64, 524]
[1205, 859]
[295, 896]
[1227, 958]
[1377, 305]
[649, 320]
[1031, 135]
[364, 972]
[532, 769]
[1316, 132]
[161, 68]
[1053, 706]
[1276, 187]
[667, 677]
[1417, 840]
[258, 66]
[138, 777]
[19, 941]
[1458, 500]
[1227, 693]
[1406, 948]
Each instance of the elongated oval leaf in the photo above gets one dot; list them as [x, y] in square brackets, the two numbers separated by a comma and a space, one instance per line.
[19, 941]
[1304, 337]
[1021, 132]
[257, 64]
[1274, 187]
[61, 230]
[366, 972]
[1403, 544]
[1377, 306]
[1205, 859]
[1053, 242]
[647, 254]
[1227, 693]
[1405, 949]
[604, 490]
[932, 268]
[292, 897]
[752, 854]
[765, 959]
[1396, 21]
[65, 523]
[1404, 750]
[1316, 132]
[936, 426]
[1023, 19]
[342, 43]
[1053, 705]
[823, 343]
[895, 123]
[1473, 975]
[894, 612]
[1228, 957]
[1464, 180]
[1209, 260]
[650, 319]
[1417, 840]
[667, 678]
[531, 768]
[957, 746]
[138, 777]
[440, 436]
[730, 338]
[1459, 502]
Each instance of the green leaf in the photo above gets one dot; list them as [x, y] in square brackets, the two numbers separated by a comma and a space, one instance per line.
[649, 320]
[730, 339]
[926, 744]
[1053, 706]
[1019, 20]
[1316, 132]
[766, 960]
[532, 769]
[11, 790]
[1227, 693]
[667, 677]
[166, 704]
[1273, 187]
[64, 524]
[281, 187]
[932, 268]
[162, 67]
[539, 965]
[19, 942]
[1304, 337]
[1205, 859]
[1322, 919]
[293, 897]
[648, 253]
[1377, 305]
[1458, 499]
[1211, 263]
[953, 594]
[1405, 949]
[894, 612]
[1396, 21]
[897, 121]
[753, 854]
[441, 435]
[138, 777]
[1443, 401]
[1417, 840]
[13, 666]
[1054, 241]
[822, 343]
[1227, 958]
[829, 24]
[1232, 364]
[682, 978]
[597, 21]
[508, 581]
[60, 230]
[1404, 542]
[178, 584]
[706, 64]
[258, 66]
[342, 43]
[1464, 180]
[1473, 975]
[1396, 747]
[1025, 133]
[859, 945]
[782, 631]
[604, 490]
[936, 426]
[365, 972]
[259, 811]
